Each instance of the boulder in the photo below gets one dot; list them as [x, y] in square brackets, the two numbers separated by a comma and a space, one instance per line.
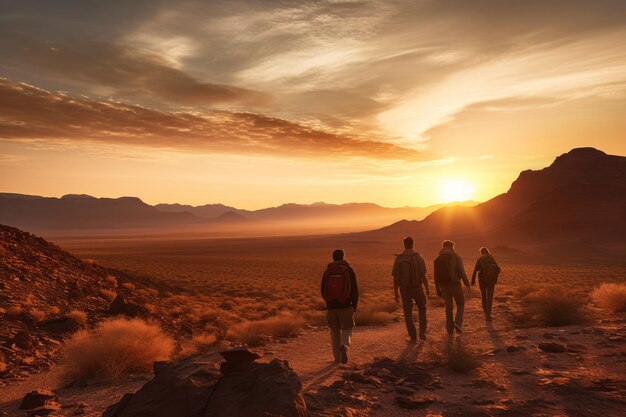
[121, 306]
[412, 403]
[23, 340]
[193, 387]
[552, 347]
[60, 325]
[38, 399]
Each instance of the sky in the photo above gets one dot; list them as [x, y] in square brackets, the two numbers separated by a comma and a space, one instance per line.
[258, 103]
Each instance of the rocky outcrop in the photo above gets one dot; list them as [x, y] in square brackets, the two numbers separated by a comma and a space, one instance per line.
[122, 306]
[40, 402]
[194, 387]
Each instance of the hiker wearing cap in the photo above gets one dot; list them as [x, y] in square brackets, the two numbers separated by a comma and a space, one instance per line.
[449, 273]
[341, 294]
[488, 271]
[409, 275]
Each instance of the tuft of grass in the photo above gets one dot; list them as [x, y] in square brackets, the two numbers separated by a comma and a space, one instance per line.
[108, 294]
[610, 296]
[372, 316]
[454, 355]
[111, 280]
[199, 343]
[37, 315]
[79, 316]
[3, 366]
[53, 311]
[14, 311]
[117, 347]
[551, 306]
[256, 332]
[128, 286]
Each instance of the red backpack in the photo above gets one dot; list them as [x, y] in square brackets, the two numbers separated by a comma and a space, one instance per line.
[337, 282]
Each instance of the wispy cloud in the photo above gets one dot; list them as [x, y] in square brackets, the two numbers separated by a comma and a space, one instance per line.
[29, 113]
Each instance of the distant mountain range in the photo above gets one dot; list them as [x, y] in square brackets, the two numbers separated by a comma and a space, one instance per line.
[315, 211]
[580, 197]
[84, 212]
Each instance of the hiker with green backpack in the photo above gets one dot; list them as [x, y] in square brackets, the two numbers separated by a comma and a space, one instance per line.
[341, 294]
[449, 273]
[488, 271]
[409, 275]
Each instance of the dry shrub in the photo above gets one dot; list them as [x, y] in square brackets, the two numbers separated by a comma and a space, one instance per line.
[209, 315]
[79, 316]
[552, 306]
[53, 311]
[254, 333]
[455, 356]
[372, 316]
[116, 347]
[14, 311]
[128, 286]
[199, 343]
[108, 294]
[610, 296]
[111, 280]
[153, 291]
[90, 262]
[3, 366]
[37, 315]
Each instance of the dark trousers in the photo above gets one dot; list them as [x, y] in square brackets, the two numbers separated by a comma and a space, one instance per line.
[453, 293]
[409, 296]
[486, 291]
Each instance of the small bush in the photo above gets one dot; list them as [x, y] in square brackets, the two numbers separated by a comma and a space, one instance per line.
[108, 294]
[37, 315]
[3, 366]
[254, 333]
[552, 307]
[79, 316]
[14, 311]
[610, 296]
[455, 356]
[128, 286]
[53, 311]
[372, 316]
[199, 343]
[460, 359]
[116, 347]
[111, 280]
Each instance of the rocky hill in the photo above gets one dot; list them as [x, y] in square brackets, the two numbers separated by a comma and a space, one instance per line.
[581, 196]
[47, 294]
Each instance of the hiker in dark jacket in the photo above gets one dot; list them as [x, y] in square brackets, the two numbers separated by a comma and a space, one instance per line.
[449, 273]
[340, 292]
[488, 271]
[409, 275]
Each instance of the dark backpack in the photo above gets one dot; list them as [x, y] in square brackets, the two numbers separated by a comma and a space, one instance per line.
[491, 273]
[337, 283]
[443, 270]
[405, 270]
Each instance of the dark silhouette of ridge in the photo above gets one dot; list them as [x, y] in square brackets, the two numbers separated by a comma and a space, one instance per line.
[581, 195]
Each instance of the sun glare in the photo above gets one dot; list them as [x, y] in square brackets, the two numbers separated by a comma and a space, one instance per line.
[456, 190]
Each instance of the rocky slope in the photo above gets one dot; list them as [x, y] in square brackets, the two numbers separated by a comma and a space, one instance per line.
[46, 294]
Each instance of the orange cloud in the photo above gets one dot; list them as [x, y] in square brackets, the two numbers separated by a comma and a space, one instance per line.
[30, 113]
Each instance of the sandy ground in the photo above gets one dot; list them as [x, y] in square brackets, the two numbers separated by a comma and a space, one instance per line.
[515, 377]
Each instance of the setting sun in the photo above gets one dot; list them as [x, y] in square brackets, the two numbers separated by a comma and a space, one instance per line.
[456, 190]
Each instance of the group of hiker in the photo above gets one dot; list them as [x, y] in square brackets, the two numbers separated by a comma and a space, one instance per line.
[340, 291]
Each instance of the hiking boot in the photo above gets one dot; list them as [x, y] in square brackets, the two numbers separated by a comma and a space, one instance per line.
[458, 329]
[422, 336]
[344, 354]
[488, 318]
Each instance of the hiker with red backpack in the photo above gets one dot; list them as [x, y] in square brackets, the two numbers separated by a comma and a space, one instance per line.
[488, 271]
[449, 273]
[341, 294]
[409, 275]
